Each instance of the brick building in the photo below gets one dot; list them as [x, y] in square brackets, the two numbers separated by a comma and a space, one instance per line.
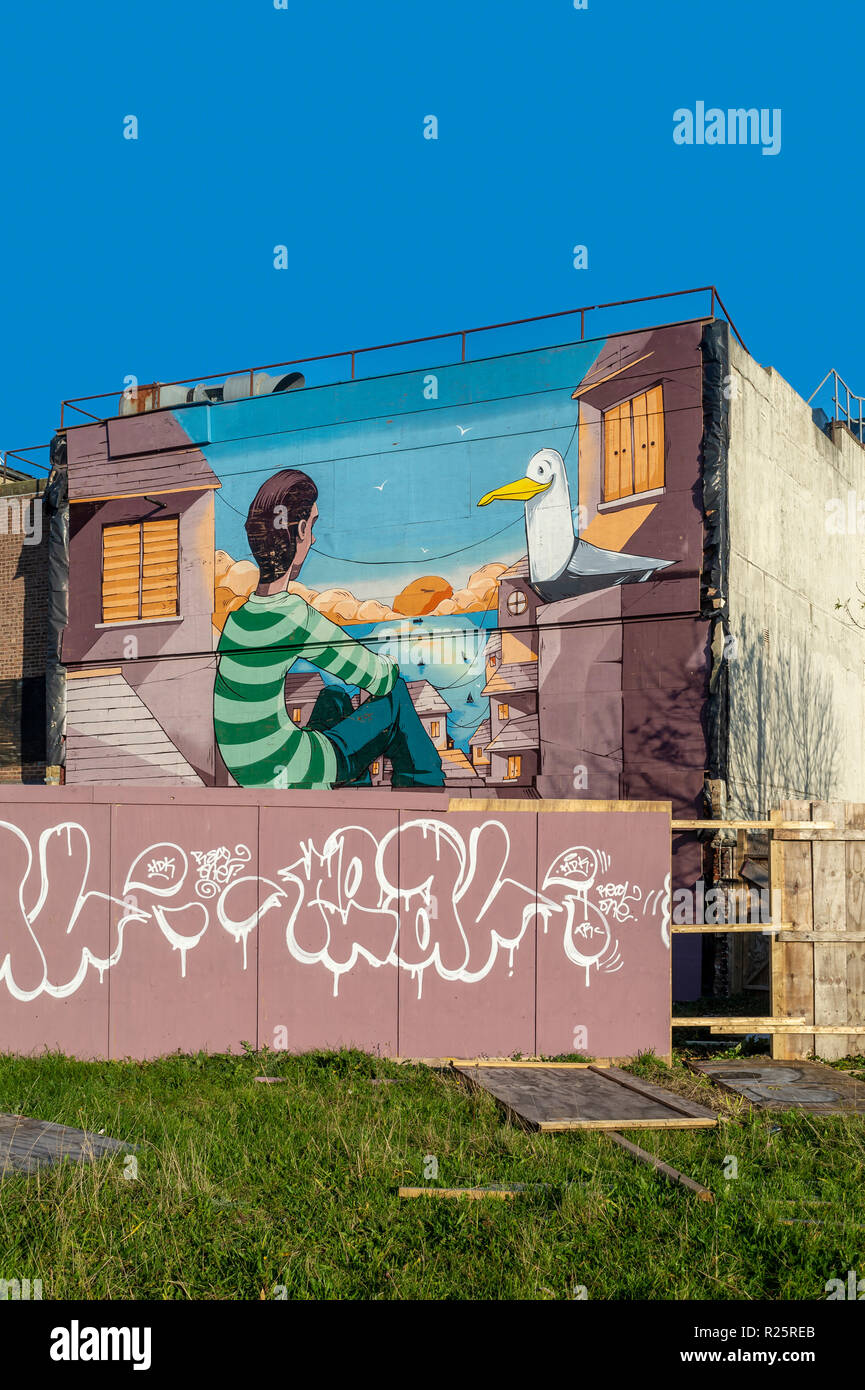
[24, 630]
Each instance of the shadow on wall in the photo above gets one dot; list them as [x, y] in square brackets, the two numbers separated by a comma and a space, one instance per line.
[784, 740]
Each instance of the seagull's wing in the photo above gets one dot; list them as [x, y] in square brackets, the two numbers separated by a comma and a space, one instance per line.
[590, 568]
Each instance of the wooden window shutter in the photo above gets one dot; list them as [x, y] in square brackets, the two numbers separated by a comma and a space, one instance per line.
[611, 455]
[160, 549]
[121, 573]
[618, 463]
[655, 422]
[140, 568]
[641, 445]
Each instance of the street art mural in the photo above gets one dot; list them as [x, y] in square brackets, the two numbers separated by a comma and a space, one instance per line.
[312, 588]
[385, 925]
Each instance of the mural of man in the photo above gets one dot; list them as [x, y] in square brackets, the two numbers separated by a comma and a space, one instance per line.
[261, 641]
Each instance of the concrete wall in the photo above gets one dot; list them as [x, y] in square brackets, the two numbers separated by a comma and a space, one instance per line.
[142, 920]
[23, 633]
[796, 693]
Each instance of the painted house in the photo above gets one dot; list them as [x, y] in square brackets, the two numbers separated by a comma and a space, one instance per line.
[602, 567]
[141, 596]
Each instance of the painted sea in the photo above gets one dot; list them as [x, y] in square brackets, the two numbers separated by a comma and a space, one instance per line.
[447, 651]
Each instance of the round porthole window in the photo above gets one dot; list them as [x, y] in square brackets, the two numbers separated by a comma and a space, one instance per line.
[517, 603]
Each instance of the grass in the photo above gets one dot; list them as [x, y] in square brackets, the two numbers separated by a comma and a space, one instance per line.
[244, 1188]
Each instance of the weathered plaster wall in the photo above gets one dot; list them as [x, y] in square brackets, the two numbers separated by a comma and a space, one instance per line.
[795, 669]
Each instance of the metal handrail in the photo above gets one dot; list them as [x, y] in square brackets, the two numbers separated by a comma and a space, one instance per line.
[353, 353]
[838, 381]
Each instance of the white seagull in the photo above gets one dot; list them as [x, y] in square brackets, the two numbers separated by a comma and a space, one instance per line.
[380, 486]
[561, 565]
[466, 430]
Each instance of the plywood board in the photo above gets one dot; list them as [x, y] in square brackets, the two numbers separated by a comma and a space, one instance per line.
[26, 1144]
[586, 1098]
[788, 1085]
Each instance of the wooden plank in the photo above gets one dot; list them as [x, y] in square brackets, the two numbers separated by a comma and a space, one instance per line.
[472, 1193]
[792, 973]
[837, 834]
[742, 929]
[855, 910]
[754, 824]
[459, 1062]
[830, 916]
[679, 1122]
[567, 805]
[845, 936]
[665, 1169]
[825, 1030]
[748, 1024]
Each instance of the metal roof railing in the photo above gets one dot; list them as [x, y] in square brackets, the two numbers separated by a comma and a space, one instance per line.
[20, 455]
[148, 397]
[847, 406]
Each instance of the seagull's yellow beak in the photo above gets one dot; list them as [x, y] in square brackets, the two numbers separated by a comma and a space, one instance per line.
[520, 490]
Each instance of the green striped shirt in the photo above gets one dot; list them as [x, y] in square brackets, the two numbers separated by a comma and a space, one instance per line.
[260, 642]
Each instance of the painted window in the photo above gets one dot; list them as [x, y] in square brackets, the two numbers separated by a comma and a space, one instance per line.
[295, 714]
[476, 753]
[375, 769]
[504, 712]
[515, 763]
[517, 603]
[493, 661]
[140, 570]
[434, 728]
[634, 446]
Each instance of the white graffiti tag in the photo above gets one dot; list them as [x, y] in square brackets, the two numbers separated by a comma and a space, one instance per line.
[349, 905]
[217, 867]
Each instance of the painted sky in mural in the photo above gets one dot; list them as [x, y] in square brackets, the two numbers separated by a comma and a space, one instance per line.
[398, 486]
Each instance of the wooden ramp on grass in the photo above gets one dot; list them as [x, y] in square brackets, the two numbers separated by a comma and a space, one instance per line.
[780, 1085]
[26, 1145]
[563, 1096]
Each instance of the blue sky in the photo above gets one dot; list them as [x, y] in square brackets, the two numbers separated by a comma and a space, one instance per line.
[304, 127]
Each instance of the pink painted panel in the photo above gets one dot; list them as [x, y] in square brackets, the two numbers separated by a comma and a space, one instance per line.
[467, 934]
[329, 922]
[54, 928]
[302, 921]
[185, 889]
[604, 958]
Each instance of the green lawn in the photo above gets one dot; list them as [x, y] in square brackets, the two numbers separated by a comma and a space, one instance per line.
[243, 1188]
